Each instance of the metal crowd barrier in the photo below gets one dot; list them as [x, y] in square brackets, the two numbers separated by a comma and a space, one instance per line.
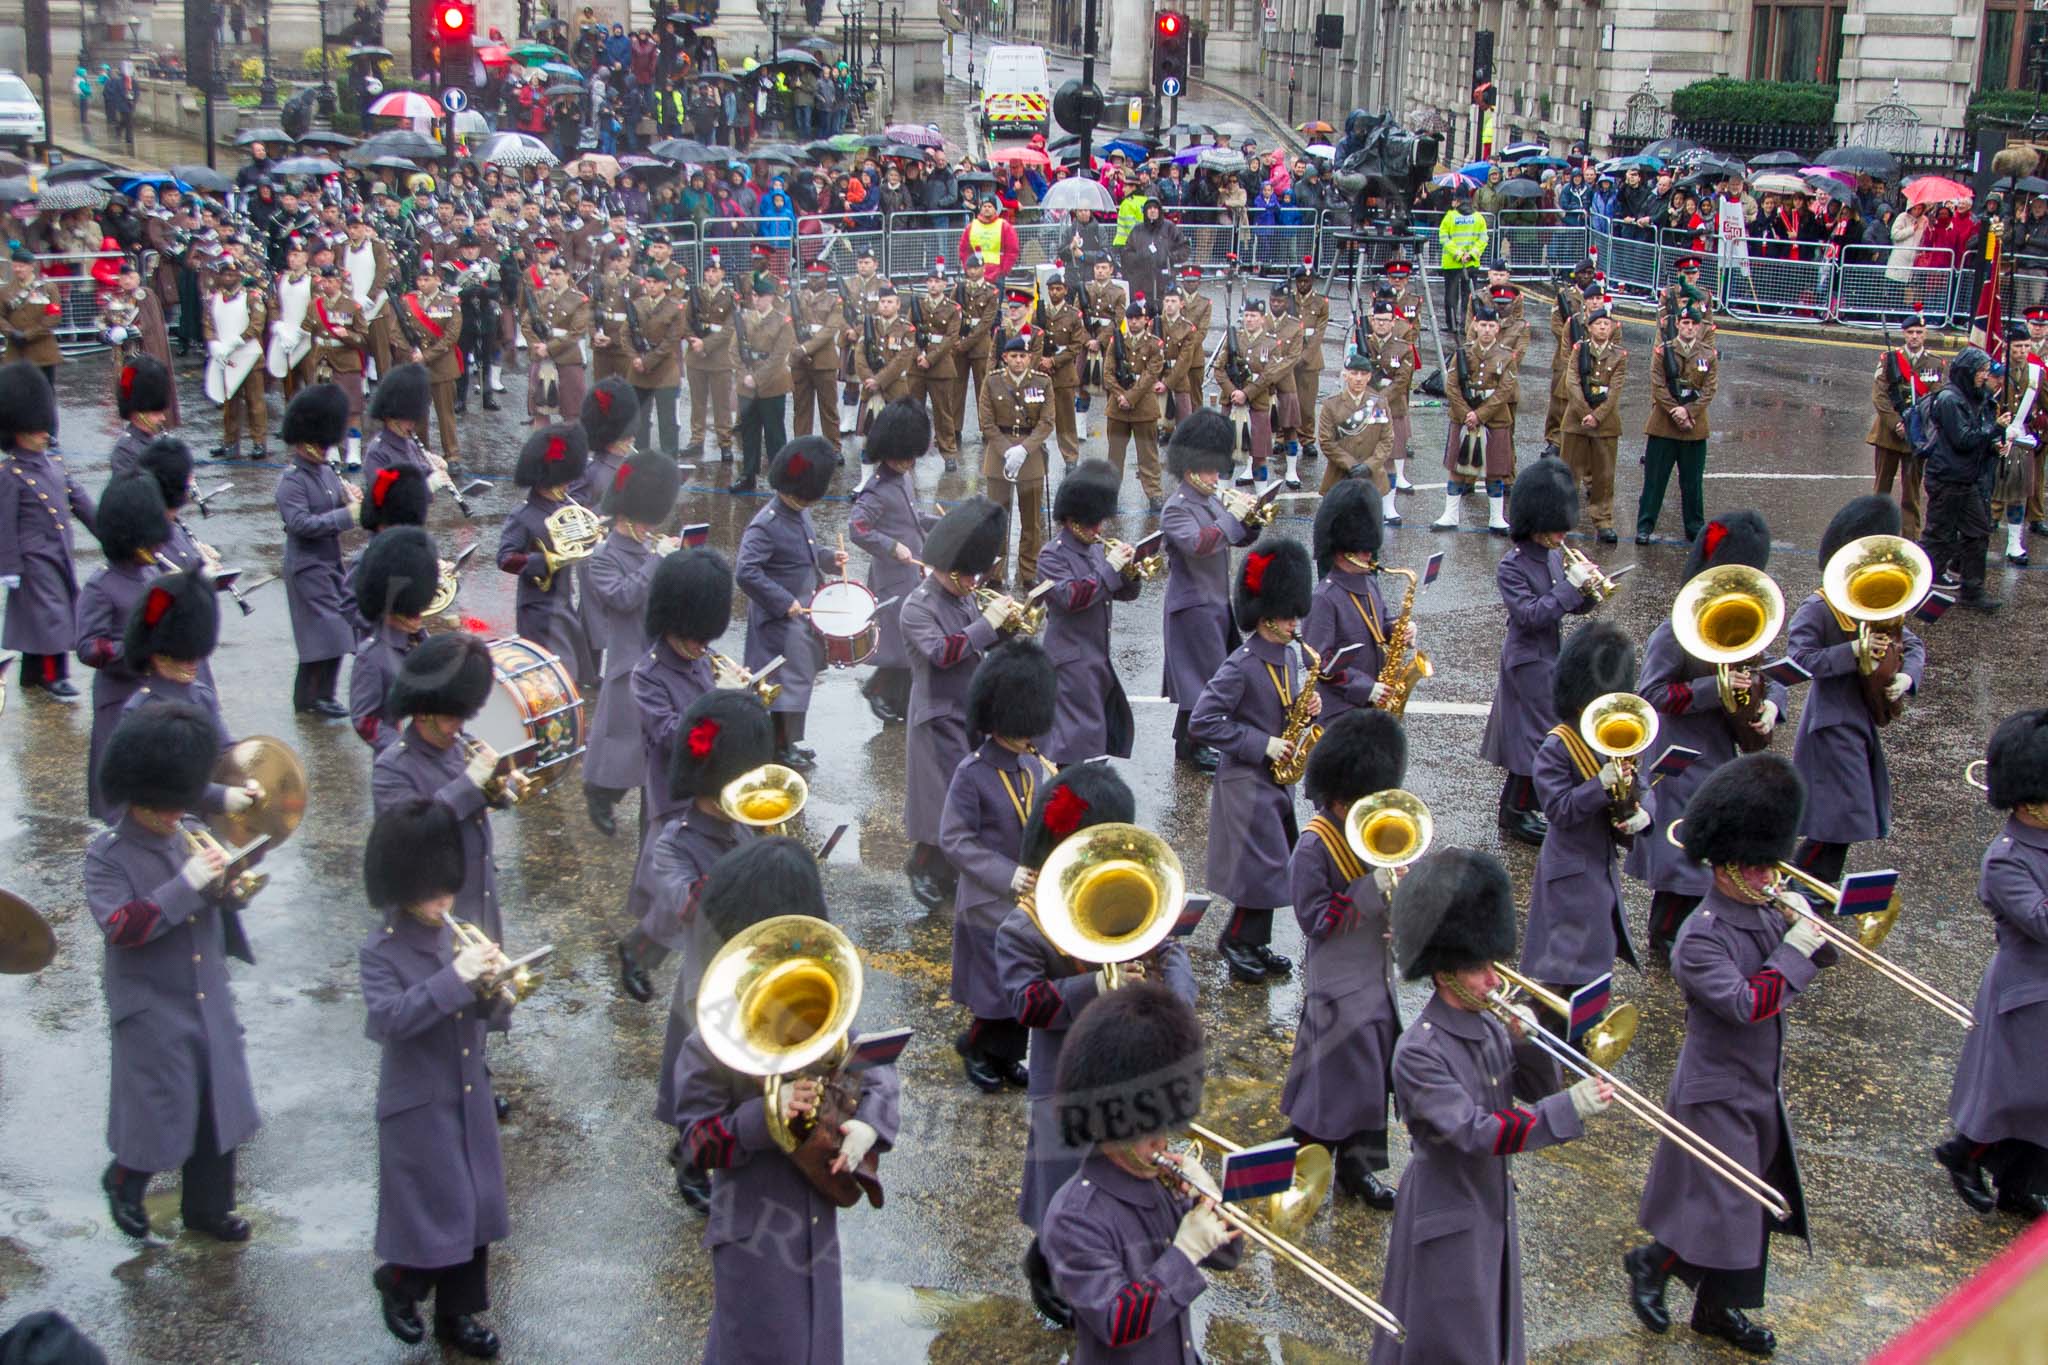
[1870, 293]
[78, 297]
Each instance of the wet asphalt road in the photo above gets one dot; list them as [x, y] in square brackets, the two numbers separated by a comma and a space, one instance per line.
[604, 1261]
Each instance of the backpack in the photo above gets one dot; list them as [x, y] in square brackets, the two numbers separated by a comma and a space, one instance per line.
[1923, 432]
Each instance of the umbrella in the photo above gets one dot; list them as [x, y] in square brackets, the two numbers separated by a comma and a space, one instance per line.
[1522, 151]
[821, 149]
[327, 137]
[1668, 148]
[785, 152]
[1321, 149]
[66, 195]
[553, 22]
[84, 168]
[1935, 189]
[1772, 161]
[1543, 163]
[268, 133]
[1828, 173]
[530, 54]
[561, 71]
[518, 149]
[1136, 151]
[607, 167]
[899, 149]
[1868, 160]
[1078, 192]
[398, 142]
[687, 149]
[1451, 180]
[1715, 168]
[1521, 187]
[305, 165]
[1779, 182]
[1191, 130]
[494, 54]
[1475, 171]
[1639, 161]
[916, 134]
[1220, 159]
[821, 44]
[392, 163]
[1832, 188]
[634, 161]
[161, 180]
[791, 56]
[473, 123]
[367, 51]
[407, 104]
[15, 190]
[1314, 128]
[561, 89]
[967, 178]
[1020, 156]
[2026, 184]
[205, 179]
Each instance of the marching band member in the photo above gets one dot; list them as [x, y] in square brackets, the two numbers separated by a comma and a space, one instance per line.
[1739, 958]
[1341, 1072]
[1997, 1099]
[1580, 292]
[1348, 607]
[1353, 430]
[1312, 311]
[1199, 633]
[772, 1235]
[433, 319]
[1691, 711]
[1016, 415]
[616, 582]
[1839, 750]
[1539, 591]
[608, 417]
[883, 356]
[778, 567]
[1578, 921]
[400, 408]
[146, 399]
[887, 523]
[440, 1177]
[1482, 389]
[1133, 378]
[1243, 713]
[550, 465]
[131, 526]
[1287, 409]
[371, 274]
[168, 638]
[1264, 364]
[555, 327]
[36, 494]
[1063, 340]
[946, 634]
[395, 579]
[1904, 373]
[1092, 715]
[339, 336]
[168, 460]
[988, 803]
[180, 1093]
[1595, 372]
[1126, 1252]
[316, 507]
[290, 300]
[132, 322]
[1454, 1256]
[762, 340]
[689, 605]
[235, 317]
[708, 361]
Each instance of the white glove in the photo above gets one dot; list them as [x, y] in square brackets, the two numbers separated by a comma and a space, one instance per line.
[1525, 1016]
[1805, 937]
[997, 611]
[239, 799]
[1202, 1231]
[1897, 687]
[217, 348]
[1384, 879]
[481, 765]
[1381, 694]
[1121, 557]
[1636, 823]
[1276, 747]
[1586, 1098]
[2018, 435]
[471, 962]
[1767, 718]
[10, 581]
[1013, 462]
[1576, 574]
[117, 335]
[856, 1140]
[1609, 775]
[200, 871]
[1021, 879]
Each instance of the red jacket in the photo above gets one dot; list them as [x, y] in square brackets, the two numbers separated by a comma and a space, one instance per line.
[992, 273]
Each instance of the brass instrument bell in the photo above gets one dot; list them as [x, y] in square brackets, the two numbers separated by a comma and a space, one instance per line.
[729, 672]
[1875, 581]
[1294, 1208]
[574, 533]
[444, 590]
[27, 944]
[1109, 894]
[1972, 768]
[272, 765]
[1148, 568]
[1605, 1042]
[1390, 828]
[767, 797]
[1025, 618]
[1618, 725]
[1727, 616]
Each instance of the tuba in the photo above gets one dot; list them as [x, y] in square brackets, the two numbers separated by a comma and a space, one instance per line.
[573, 532]
[1727, 617]
[766, 798]
[1109, 894]
[1619, 726]
[1874, 582]
[1389, 829]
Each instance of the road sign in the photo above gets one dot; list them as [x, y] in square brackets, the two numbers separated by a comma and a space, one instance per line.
[454, 99]
[1272, 19]
[1170, 86]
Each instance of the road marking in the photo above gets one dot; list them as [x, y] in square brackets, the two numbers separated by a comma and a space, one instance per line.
[1449, 708]
[1740, 474]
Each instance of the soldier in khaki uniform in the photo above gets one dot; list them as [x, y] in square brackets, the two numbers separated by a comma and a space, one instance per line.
[763, 340]
[1684, 372]
[1017, 418]
[334, 323]
[2028, 434]
[816, 314]
[1567, 327]
[1354, 431]
[611, 349]
[655, 373]
[1133, 381]
[1249, 370]
[432, 321]
[936, 320]
[1312, 310]
[1686, 292]
[1594, 373]
[1103, 300]
[244, 409]
[1480, 388]
[709, 360]
[1394, 360]
[1399, 271]
[294, 283]
[1059, 355]
[366, 264]
[1194, 304]
[1288, 413]
[975, 359]
[883, 355]
[1182, 345]
[31, 311]
[555, 329]
[1904, 373]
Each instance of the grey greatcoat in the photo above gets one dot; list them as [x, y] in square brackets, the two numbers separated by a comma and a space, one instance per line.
[316, 512]
[1199, 633]
[981, 835]
[589, 490]
[1538, 596]
[885, 514]
[664, 684]
[1241, 709]
[1838, 751]
[1091, 716]
[386, 449]
[2001, 1088]
[378, 659]
[1454, 1260]
[615, 584]
[1341, 1072]
[1688, 703]
[1045, 989]
[109, 598]
[38, 498]
[200, 693]
[1577, 923]
[779, 562]
[1348, 609]
[181, 553]
[946, 636]
[126, 456]
[1108, 1237]
[773, 1238]
[1731, 962]
[440, 1178]
[175, 1034]
[683, 854]
[413, 767]
[545, 615]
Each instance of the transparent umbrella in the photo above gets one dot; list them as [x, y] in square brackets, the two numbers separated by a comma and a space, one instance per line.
[1078, 192]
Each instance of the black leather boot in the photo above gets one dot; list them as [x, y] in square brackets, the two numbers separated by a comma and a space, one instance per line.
[467, 1335]
[1046, 1299]
[2027, 1203]
[632, 976]
[401, 1312]
[1965, 1174]
[694, 1185]
[1359, 1181]
[124, 1201]
[1646, 1280]
[599, 808]
[229, 1227]
[1274, 963]
[1243, 961]
[1735, 1328]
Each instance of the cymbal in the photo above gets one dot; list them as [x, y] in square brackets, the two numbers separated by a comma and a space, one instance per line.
[272, 763]
[26, 943]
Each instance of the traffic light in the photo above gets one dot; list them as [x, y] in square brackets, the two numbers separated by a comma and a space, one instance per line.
[455, 36]
[1169, 49]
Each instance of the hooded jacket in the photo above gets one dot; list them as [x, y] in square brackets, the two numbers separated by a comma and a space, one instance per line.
[1965, 449]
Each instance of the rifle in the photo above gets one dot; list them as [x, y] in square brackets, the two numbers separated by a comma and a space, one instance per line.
[1895, 385]
[403, 317]
[633, 332]
[1126, 377]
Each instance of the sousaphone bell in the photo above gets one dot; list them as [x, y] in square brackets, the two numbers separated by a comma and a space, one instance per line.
[1109, 895]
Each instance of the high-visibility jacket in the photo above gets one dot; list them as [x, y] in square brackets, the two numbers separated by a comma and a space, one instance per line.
[1461, 237]
[1129, 214]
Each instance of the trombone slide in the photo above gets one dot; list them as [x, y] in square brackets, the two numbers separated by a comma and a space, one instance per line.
[1853, 946]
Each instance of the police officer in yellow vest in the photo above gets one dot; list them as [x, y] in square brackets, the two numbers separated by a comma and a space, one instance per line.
[1461, 240]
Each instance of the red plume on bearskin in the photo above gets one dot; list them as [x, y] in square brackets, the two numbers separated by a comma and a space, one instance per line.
[619, 479]
[1063, 811]
[603, 399]
[1255, 571]
[127, 381]
[798, 466]
[703, 735]
[558, 450]
[153, 610]
[381, 485]
[1715, 533]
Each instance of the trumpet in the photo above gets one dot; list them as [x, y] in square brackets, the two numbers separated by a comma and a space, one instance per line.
[1618, 726]
[573, 532]
[1150, 567]
[766, 798]
[515, 981]
[500, 789]
[1024, 618]
[1253, 511]
[1389, 829]
[1108, 896]
[243, 886]
[1604, 1042]
[729, 672]
[1598, 585]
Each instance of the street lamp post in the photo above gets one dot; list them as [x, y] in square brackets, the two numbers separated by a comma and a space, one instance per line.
[845, 26]
[775, 12]
[326, 85]
[267, 92]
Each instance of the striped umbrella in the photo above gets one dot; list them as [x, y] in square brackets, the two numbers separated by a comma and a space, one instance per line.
[407, 104]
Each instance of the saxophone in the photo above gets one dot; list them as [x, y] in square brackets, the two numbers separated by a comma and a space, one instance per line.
[1301, 737]
[1404, 667]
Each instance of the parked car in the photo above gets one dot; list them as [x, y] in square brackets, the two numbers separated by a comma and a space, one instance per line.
[21, 114]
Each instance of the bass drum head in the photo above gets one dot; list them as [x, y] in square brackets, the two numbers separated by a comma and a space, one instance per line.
[532, 698]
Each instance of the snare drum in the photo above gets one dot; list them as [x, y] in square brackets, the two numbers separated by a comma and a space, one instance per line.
[532, 698]
[843, 614]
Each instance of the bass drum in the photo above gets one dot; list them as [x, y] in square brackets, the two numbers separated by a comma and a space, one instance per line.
[533, 698]
[843, 615]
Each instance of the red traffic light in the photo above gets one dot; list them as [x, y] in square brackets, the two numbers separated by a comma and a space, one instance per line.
[1169, 25]
[453, 21]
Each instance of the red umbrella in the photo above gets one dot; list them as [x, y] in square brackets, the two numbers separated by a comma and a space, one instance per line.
[1936, 189]
[1022, 156]
[495, 54]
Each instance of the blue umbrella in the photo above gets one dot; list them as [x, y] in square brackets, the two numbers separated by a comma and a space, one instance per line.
[1136, 151]
[1622, 163]
[131, 183]
[1475, 170]
[1545, 163]
[567, 73]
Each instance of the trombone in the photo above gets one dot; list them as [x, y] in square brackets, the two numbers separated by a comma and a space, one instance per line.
[1109, 895]
[766, 798]
[1291, 1210]
[1604, 1042]
[511, 983]
[1598, 585]
[1726, 617]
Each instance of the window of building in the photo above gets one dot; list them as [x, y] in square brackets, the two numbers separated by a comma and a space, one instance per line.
[2004, 49]
[1800, 41]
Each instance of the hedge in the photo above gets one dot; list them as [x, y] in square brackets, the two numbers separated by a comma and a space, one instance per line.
[2001, 106]
[1723, 100]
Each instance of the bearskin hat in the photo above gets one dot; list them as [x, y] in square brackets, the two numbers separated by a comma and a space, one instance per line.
[1012, 691]
[901, 431]
[1597, 658]
[610, 411]
[178, 617]
[414, 854]
[1080, 795]
[1545, 498]
[969, 538]
[26, 403]
[1087, 495]
[131, 518]
[1132, 1066]
[758, 880]
[1455, 909]
[169, 461]
[1350, 520]
[160, 757]
[449, 675]
[1873, 514]
[2016, 761]
[396, 495]
[1734, 538]
[726, 732]
[317, 416]
[644, 490]
[691, 596]
[1746, 814]
[1361, 752]
[551, 457]
[404, 395]
[1203, 441]
[803, 469]
[1275, 581]
[144, 385]
[398, 573]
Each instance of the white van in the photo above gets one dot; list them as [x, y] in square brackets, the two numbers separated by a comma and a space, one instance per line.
[1016, 92]
[21, 114]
